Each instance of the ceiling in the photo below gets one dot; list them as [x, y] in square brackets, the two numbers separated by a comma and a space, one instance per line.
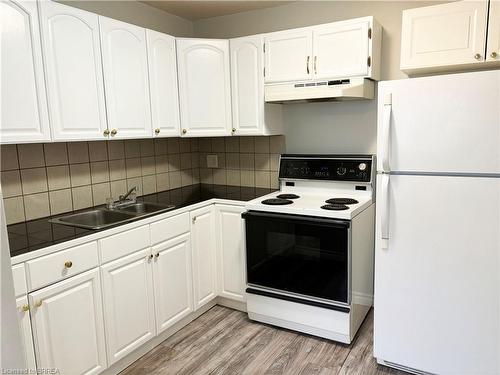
[195, 10]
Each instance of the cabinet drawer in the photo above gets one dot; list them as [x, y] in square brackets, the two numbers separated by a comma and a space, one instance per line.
[169, 228]
[19, 279]
[61, 265]
[124, 243]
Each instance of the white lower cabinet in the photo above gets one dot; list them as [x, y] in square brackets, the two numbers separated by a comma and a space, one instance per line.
[67, 322]
[127, 285]
[231, 262]
[173, 281]
[23, 316]
[204, 263]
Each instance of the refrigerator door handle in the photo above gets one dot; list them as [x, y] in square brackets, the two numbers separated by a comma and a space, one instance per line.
[386, 127]
[384, 217]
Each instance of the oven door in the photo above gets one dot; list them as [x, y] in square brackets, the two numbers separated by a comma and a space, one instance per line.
[299, 256]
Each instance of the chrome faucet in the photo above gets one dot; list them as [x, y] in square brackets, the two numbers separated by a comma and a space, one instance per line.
[123, 197]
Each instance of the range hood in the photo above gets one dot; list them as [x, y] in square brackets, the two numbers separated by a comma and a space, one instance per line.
[356, 88]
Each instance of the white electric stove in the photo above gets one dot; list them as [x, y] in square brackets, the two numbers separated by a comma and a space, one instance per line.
[310, 246]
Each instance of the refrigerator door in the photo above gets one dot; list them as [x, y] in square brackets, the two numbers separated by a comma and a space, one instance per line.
[437, 279]
[442, 124]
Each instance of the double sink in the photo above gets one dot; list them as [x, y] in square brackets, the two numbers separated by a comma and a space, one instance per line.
[104, 218]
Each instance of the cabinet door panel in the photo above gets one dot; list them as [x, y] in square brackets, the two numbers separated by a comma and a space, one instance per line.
[163, 81]
[446, 34]
[125, 62]
[68, 327]
[173, 281]
[231, 252]
[204, 87]
[24, 115]
[493, 43]
[288, 55]
[75, 86]
[24, 321]
[204, 263]
[128, 303]
[341, 49]
[247, 81]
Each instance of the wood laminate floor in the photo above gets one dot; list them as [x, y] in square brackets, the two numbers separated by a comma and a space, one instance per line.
[225, 341]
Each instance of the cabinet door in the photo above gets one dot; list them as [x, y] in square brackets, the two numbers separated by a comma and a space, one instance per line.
[24, 115]
[204, 263]
[24, 320]
[72, 55]
[231, 263]
[173, 281]
[125, 64]
[288, 55]
[68, 327]
[341, 49]
[247, 84]
[493, 44]
[162, 65]
[447, 34]
[127, 286]
[204, 87]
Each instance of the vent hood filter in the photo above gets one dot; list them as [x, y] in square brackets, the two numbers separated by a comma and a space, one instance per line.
[332, 90]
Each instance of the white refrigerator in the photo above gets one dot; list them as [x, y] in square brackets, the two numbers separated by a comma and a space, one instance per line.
[437, 257]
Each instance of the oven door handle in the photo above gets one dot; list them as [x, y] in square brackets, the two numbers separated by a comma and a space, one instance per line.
[296, 218]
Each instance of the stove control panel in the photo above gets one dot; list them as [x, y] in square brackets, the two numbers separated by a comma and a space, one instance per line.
[326, 167]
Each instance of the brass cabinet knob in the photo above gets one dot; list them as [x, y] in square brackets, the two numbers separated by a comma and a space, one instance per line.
[157, 255]
[477, 56]
[25, 308]
[113, 132]
[157, 131]
[106, 132]
[234, 130]
[68, 264]
[494, 55]
[194, 219]
[184, 131]
[38, 303]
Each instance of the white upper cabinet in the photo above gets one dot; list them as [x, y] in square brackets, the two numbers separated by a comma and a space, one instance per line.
[342, 49]
[24, 114]
[163, 83]
[72, 55]
[125, 64]
[493, 43]
[288, 55]
[204, 87]
[437, 37]
[68, 327]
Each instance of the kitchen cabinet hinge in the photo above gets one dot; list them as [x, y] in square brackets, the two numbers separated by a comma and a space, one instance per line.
[369, 61]
[264, 71]
[264, 47]
[370, 33]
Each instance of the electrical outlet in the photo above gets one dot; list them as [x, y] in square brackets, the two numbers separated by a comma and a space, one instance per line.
[212, 161]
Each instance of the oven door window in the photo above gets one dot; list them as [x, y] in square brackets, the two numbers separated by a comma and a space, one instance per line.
[298, 254]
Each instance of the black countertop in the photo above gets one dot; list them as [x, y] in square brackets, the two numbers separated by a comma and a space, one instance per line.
[37, 234]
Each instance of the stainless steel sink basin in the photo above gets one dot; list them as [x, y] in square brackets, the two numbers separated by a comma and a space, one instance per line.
[144, 208]
[95, 219]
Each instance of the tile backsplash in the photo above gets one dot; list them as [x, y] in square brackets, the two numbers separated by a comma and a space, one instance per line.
[40, 180]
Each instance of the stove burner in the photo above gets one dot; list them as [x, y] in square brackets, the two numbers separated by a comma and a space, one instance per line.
[335, 207]
[342, 201]
[276, 201]
[288, 196]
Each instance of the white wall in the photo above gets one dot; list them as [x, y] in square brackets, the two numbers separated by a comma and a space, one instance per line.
[346, 127]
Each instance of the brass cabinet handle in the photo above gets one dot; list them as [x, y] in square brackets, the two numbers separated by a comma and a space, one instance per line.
[68, 264]
[157, 255]
[25, 308]
[477, 56]
[113, 132]
[106, 132]
[315, 65]
[234, 130]
[307, 64]
[157, 131]
[184, 131]
[494, 55]
[38, 303]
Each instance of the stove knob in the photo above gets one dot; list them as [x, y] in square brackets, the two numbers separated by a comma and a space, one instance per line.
[362, 166]
[341, 171]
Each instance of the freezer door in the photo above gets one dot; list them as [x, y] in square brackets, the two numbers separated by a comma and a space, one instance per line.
[437, 285]
[447, 123]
